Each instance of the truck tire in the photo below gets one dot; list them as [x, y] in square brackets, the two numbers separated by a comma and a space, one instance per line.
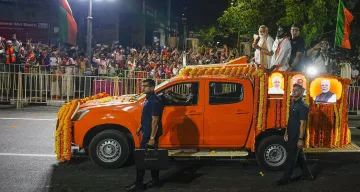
[109, 149]
[271, 153]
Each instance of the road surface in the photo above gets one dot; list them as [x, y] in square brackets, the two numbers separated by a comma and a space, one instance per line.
[27, 163]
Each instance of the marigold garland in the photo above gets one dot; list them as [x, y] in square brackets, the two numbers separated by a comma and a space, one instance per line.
[283, 105]
[339, 134]
[255, 108]
[265, 108]
[63, 134]
[261, 103]
[288, 100]
[307, 100]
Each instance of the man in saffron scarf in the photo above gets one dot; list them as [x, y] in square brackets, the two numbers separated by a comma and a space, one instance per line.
[326, 96]
[281, 51]
[263, 45]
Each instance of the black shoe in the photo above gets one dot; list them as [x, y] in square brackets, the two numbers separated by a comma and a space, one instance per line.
[135, 187]
[283, 182]
[307, 177]
[153, 184]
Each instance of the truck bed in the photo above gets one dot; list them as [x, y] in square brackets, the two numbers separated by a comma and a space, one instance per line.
[352, 147]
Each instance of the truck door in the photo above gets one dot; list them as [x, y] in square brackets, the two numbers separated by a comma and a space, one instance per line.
[183, 122]
[228, 112]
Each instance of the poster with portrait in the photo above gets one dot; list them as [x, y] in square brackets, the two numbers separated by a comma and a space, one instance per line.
[298, 79]
[276, 84]
[325, 90]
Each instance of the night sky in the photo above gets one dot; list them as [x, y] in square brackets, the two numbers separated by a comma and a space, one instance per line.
[198, 12]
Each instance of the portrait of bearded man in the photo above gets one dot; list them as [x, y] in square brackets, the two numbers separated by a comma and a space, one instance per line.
[326, 96]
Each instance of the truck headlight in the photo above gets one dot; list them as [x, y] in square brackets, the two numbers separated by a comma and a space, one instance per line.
[80, 114]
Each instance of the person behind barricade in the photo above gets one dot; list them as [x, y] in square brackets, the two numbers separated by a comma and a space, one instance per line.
[10, 56]
[131, 65]
[281, 51]
[355, 77]
[297, 49]
[320, 57]
[151, 128]
[111, 65]
[55, 75]
[67, 80]
[81, 64]
[263, 45]
[21, 57]
[44, 63]
[102, 64]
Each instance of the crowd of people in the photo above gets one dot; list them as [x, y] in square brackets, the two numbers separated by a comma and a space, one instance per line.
[284, 54]
[114, 60]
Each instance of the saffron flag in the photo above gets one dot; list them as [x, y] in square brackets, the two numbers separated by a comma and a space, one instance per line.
[67, 25]
[344, 18]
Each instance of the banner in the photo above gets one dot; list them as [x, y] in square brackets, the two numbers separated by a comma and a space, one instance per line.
[37, 31]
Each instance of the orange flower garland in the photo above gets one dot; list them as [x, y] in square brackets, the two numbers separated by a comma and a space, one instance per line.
[307, 100]
[265, 108]
[287, 93]
[344, 102]
[255, 108]
[63, 134]
[261, 104]
[283, 105]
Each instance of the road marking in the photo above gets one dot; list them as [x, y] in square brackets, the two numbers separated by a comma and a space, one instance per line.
[352, 127]
[27, 119]
[27, 155]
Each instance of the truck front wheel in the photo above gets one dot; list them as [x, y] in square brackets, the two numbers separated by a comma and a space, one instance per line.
[271, 153]
[109, 149]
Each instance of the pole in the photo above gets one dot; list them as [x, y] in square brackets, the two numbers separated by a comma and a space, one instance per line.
[89, 37]
[337, 20]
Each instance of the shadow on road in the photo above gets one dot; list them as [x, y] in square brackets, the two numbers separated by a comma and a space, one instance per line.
[81, 175]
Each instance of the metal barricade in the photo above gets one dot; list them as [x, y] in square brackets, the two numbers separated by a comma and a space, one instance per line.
[354, 99]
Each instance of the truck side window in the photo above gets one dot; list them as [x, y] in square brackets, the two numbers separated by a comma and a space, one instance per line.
[225, 93]
[183, 94]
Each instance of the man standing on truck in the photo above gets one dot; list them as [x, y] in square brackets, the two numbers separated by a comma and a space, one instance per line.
[281, 51]
[295, 137]
[151, 128]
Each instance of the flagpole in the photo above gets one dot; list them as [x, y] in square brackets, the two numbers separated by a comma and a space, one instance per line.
[337, 20]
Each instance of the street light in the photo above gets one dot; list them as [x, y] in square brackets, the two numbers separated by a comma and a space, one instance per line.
[89, 36]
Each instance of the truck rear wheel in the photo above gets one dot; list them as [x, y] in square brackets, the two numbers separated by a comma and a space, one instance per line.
[109, 149]
[271, 153]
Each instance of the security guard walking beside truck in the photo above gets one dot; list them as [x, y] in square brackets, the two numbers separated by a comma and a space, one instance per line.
[295, 137]
[151, 129]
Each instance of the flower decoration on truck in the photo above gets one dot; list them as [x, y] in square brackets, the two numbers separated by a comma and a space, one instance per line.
[63, 134]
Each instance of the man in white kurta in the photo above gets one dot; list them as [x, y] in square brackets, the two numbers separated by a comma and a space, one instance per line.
[263, 45]
[281, 51]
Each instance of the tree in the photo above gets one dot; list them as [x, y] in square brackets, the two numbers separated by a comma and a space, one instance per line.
[242, 19]
[208, 34]
[312, 15]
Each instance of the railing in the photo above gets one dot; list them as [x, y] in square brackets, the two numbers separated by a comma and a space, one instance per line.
[23, 88]
[68, 69]
[354, 99]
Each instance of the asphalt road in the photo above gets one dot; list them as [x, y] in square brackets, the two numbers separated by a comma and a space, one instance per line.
[27, 163]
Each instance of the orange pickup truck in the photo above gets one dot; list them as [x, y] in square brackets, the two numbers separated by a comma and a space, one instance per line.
[237, 112]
